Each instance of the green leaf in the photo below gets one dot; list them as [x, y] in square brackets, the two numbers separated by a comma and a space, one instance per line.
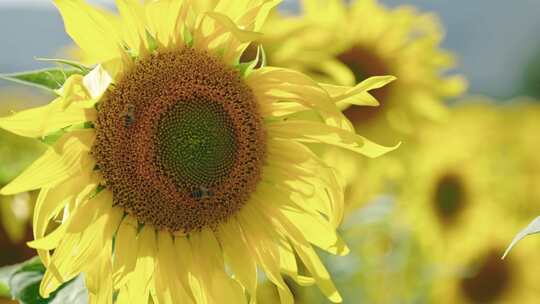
[5, 274]
[74, 64]
[22, 283]
[532, 228]
[49, 79]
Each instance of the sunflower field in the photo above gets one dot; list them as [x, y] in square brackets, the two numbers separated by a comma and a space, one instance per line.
[269, 152]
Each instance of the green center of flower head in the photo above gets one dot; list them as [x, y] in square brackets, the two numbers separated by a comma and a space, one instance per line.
[197, 142]
[365, 63]
[180, 141]
[490, 278]
[450, 197]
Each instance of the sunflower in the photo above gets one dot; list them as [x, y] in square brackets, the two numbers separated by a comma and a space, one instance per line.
[484, 278]
[449, 182]
[179, 173]
[449, 199]
[344, 44]
[518, 164]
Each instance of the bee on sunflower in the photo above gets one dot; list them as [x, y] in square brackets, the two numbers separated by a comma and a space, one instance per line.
[180, 173]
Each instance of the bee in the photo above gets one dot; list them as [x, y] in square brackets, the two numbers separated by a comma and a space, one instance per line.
[128, 115]
[201, 192]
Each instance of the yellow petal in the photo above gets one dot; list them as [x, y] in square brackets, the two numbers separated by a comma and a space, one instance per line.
[93, 32]
[238, 256]
[125, 251]
[311, 261]
[289, 266]
[97, 82]
[187, 265]
[66, 159]
[133, 22]
[168, 284]
[42, 121]
[89, 228]
[262, 241]
[99, 278]
[312, 132]
[140, 281]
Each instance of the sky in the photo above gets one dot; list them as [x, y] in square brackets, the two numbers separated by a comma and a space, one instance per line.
[495, 39]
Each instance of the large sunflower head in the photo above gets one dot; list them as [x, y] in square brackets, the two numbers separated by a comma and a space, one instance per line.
[339, 43]
[179, 174]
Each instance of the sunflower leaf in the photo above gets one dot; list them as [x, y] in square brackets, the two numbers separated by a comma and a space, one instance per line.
[74, 64]
[49, 79]
[5, 274]
[532, 228]
[21, 282]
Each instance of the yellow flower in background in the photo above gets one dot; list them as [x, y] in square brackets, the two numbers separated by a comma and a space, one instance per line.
[15, 211]
[345, 44]
[194, 164]
[484, 278]
[518, 165]
[448, 182]
[460, 197]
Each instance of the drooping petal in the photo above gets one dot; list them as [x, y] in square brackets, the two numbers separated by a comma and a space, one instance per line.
[168, 284]
[309, 258]
[312, 132]
[262, 241]
[88, 230]
[140, 282]
[51, 201]
[66, 159]
[99, 278]
[238, 257]
[42, 121]
[125, 251]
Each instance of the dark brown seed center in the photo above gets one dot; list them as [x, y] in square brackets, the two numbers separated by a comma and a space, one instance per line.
[180, 141]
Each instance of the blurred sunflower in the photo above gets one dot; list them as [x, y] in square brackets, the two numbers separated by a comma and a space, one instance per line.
[16, 210]
[344, 44]
[449, 182]
[450, 201]
[517, 166]
[484, 278]
[177, 166]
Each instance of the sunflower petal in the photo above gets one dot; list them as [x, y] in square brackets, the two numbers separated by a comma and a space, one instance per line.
[66, 159]
[125, 251]
[90, 29]
[89, 228]
[312, 132]
[238, 258]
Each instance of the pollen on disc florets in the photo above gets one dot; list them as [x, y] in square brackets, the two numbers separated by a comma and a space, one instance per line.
[180, 140]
